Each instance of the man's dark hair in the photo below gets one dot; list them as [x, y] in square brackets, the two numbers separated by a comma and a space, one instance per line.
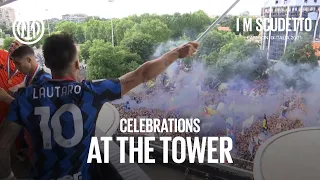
[21, 51]
[59, 51]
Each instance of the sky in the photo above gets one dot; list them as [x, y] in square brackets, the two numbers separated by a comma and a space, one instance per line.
[30, 9]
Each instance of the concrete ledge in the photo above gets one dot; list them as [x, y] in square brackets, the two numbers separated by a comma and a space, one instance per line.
[107, 125]
[108, 120]
[290, 155]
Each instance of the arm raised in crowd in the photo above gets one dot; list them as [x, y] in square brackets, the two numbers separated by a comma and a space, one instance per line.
[153, 68]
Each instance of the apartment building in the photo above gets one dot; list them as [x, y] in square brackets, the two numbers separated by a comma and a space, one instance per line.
[7, 16]
[276, 42]
[75, 17]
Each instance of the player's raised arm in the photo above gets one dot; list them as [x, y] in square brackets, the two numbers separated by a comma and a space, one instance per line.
[153, 68]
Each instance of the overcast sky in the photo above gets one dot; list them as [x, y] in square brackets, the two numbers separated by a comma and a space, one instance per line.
[122, 8]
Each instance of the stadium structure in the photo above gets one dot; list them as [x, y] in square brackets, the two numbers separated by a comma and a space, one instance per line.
[276, 42]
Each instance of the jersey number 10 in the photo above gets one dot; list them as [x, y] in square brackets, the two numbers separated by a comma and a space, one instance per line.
[44, 112]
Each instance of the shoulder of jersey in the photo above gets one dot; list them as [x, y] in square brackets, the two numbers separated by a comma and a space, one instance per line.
[97, 80]
[21, 91]
[44, 72]
[3, 51]
[47, 75]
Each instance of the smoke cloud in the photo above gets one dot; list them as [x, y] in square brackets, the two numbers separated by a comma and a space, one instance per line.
[291, 81]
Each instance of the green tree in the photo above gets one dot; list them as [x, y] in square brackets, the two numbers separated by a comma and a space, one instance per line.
[211, 59]
[131, 66]
[197, 22]
[107, 61]
[135, 18]
[6, 29]
[66, 27]
[3, 30]
[84, 50]
[131, 62]
[7, 42]
[190, 24]
[139, 43]
[148, 17]
[96, 29]
[175, 23]
[50, 25]
[3, 26]
[73, 29]
[226, 21]
[238, 49]
[213, 42]
[300, 52]
[2, 35]
[93, 18]
[241, 58]
[155, 28]
[79, 34]
[234, 23]
[120, 27]
[143, 17]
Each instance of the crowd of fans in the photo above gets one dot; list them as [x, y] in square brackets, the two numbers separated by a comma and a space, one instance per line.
[277, 122]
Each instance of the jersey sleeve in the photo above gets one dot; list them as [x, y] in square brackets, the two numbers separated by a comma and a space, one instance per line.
[43, 78]
[107, 89]
[14, 111]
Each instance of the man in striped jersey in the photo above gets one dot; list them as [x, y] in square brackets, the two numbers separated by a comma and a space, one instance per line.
[61, 114]
[25, 61]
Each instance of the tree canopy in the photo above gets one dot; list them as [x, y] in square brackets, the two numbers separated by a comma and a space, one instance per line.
[300, 52]
[7, 42]
[139, 38]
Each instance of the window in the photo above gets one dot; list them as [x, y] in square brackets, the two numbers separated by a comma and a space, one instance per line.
[277, 1]
[315, 1]
[305, 1]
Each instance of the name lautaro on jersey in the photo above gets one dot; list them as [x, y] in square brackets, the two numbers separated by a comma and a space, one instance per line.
[275, 24]
[55, 91]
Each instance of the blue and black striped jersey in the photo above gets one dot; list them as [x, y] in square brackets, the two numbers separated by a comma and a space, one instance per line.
[39, 78]
[61, 116]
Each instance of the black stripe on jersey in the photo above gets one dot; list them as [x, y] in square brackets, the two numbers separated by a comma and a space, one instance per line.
[107, 94]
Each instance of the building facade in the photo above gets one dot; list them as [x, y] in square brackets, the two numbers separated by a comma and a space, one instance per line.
[276, 42]
[7, 16]
[75, 17]
[5, 2]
